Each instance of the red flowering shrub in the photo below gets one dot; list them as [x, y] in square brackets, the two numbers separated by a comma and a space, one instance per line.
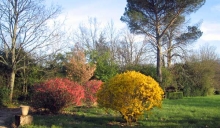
[56, 94]
[91, 88]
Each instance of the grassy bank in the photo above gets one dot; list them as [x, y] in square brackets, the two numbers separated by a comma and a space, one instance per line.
[187, 112]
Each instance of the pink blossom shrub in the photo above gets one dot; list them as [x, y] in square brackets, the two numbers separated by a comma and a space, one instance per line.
[91, 88]
[56, 94]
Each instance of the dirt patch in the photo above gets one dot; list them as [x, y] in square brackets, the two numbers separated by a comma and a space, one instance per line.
[7, 113]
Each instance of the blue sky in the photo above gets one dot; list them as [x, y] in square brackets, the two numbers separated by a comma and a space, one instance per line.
[77, 11]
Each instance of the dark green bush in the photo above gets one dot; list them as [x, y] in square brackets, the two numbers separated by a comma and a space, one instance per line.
[4, 95]
[175, 95]
[217, 92]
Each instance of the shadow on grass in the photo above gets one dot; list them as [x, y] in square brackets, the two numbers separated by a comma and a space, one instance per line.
[80, 121]
[80, 117]
[84, 117]
[109, 121]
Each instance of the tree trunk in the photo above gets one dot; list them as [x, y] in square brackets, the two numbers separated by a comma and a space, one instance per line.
[12, 82]
[13, 51]
[159, 55]
[159, 62]
[169, 56]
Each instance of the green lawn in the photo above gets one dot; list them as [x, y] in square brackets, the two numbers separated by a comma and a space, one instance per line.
[188, 112]
[197, 112]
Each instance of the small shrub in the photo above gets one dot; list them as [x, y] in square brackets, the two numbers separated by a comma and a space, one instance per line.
[209, 91]
[130, 93]
[56, 94]
[175, 95]
[91, 88]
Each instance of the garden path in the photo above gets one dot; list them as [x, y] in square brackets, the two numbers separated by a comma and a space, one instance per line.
[6, 113]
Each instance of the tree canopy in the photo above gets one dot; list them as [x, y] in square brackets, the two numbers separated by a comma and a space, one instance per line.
[153, 18]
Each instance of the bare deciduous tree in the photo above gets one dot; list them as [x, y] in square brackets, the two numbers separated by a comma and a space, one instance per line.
[24, 25]
[132, 49]
[88, 33]
[176, 39]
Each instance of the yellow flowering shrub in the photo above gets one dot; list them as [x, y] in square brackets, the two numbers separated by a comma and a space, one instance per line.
[131, 93]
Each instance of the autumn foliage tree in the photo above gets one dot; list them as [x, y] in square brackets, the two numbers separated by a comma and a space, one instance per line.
[77, 68]
[131, 93]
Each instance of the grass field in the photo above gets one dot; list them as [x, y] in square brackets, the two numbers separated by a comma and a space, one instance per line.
[197, 112]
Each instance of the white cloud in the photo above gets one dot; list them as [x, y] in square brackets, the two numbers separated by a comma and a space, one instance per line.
[103, 11]
[216, 8]
[211, 31]
[211, 36]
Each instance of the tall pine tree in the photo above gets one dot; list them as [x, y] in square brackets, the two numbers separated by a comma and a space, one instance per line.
[154, 17]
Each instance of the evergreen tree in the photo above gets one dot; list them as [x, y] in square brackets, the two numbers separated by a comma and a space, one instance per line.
[154, 17]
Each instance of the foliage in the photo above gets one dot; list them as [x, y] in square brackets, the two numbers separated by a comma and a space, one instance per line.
[196, 78]
[146, 69]
[4, 95]
[168, 79]
[57, 94]
[78, 69]
[175, 95]
[150, 70]
[24, 60]
[4, 73]
[130, 93]
[106, 68]
[202, 76]
[55, 65]
[91, 88]
[217, 77]
[199, 75]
